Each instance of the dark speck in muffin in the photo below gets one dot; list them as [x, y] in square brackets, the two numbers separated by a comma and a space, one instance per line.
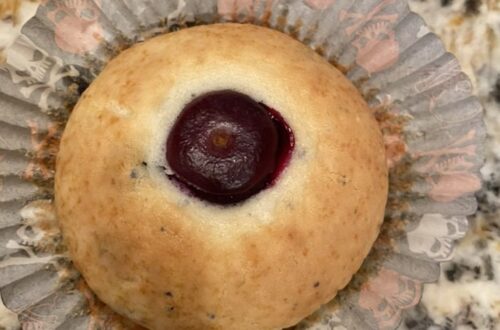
[316, 284]
[301, 153]
[169, 294]
[445, 3]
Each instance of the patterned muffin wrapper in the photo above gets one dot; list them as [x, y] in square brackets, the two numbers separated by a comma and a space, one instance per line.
[433, 129]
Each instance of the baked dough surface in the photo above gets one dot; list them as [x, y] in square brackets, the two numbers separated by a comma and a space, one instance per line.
[170, 261]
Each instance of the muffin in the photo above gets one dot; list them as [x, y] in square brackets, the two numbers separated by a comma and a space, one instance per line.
[220, 177]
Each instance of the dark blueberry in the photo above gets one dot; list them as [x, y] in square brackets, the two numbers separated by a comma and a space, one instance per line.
[225, 147]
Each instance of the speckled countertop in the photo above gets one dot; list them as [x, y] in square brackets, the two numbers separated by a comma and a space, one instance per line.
[467, 295]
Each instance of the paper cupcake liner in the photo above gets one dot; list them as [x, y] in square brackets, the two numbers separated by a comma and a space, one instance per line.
[432, 125]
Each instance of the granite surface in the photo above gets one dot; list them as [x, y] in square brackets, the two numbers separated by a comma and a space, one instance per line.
[467, 295]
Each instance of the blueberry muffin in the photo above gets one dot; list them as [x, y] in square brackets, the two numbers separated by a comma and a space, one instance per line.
[220, 177]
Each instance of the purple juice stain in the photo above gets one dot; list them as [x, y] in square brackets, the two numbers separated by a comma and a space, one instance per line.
[225, 147]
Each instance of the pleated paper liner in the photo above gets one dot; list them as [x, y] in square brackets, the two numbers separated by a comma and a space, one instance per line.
[433, 128]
